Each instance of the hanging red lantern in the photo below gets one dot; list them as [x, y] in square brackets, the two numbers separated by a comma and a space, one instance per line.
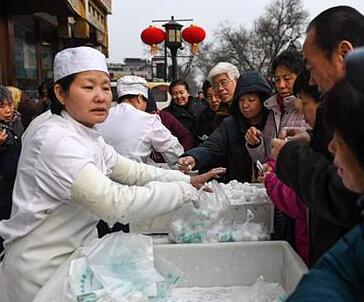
[153, 36]
[194, 35]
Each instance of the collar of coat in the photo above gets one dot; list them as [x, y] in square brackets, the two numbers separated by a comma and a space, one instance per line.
[288, 103]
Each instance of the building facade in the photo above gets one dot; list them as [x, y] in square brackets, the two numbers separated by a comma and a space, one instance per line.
[131, 66]
[31, 32]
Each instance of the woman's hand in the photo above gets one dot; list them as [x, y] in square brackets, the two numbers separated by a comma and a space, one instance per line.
[186, 164]
[266, 170]
[277, 145]
[252, 136]
[3, 137]
[295, 134]
[199, 180]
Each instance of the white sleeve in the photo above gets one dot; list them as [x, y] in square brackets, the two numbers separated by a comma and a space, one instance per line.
[61, 159]
[110, 155]
[114, 202]
[165, 143]
[130, 172]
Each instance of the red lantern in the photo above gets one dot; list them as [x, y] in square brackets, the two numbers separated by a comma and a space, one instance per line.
[194, 35]
[153, 36]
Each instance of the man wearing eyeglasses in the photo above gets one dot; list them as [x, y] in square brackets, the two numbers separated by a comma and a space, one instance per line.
[223, 77]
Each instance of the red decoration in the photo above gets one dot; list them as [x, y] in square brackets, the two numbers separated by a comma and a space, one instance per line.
[153, 36]
[194, 35]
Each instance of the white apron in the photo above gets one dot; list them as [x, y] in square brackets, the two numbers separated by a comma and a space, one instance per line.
[31, 260]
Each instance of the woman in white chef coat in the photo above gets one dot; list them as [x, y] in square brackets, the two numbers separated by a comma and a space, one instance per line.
[68, 178]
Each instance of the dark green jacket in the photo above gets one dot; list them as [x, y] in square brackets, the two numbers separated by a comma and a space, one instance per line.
[338, 275]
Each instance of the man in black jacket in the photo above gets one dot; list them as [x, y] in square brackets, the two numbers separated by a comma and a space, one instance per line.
[307, 168]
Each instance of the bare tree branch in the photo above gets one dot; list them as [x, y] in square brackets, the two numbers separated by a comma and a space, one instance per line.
[281, 24]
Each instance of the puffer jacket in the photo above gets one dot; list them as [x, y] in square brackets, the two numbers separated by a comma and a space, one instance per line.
[286, 200]
[276, 121]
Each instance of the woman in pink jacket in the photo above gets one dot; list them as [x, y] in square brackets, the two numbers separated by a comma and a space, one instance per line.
[283, 197]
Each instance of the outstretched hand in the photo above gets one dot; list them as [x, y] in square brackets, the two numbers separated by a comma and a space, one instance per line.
[186, 164]
[199, 180]
[295, 134]
[3, 136]
[277, 145]
[253, 136]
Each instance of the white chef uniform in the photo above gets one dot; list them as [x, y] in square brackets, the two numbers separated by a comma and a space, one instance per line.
[61, 191]
[134, 134]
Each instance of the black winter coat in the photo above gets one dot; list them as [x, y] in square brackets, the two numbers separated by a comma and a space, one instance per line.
[187, 114]
[205, 123]
[226, 146]
[311, 174]
[9, 156]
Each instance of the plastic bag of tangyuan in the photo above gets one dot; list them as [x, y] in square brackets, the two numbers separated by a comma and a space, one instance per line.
[118, 267]
[209, 222]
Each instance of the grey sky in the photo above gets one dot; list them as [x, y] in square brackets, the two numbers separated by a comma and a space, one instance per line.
[130, 17]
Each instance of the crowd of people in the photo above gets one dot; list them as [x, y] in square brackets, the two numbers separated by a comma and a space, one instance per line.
[79, 163]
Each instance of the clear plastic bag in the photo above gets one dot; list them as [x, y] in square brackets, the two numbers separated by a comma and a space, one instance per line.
[250, 231]
[212, 222]
[171, 275]
[119, 267]
[209, 222]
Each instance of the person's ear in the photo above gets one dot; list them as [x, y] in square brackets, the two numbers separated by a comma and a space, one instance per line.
[344, 48]
[140, 99]
[59, 93]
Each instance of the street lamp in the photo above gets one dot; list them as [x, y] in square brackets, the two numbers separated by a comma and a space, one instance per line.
[173, 42]
[173, 38]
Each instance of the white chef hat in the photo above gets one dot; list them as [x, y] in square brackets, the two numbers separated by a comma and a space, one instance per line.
[132, 85]
[78, 59]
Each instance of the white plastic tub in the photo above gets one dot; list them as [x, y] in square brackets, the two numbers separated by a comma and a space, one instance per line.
[234, 264]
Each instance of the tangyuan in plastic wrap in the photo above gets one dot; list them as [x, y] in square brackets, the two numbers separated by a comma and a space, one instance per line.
[119, 267]
[240, 193]
[207, 223]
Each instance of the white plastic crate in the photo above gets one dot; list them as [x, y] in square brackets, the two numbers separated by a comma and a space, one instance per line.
[234, 263]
